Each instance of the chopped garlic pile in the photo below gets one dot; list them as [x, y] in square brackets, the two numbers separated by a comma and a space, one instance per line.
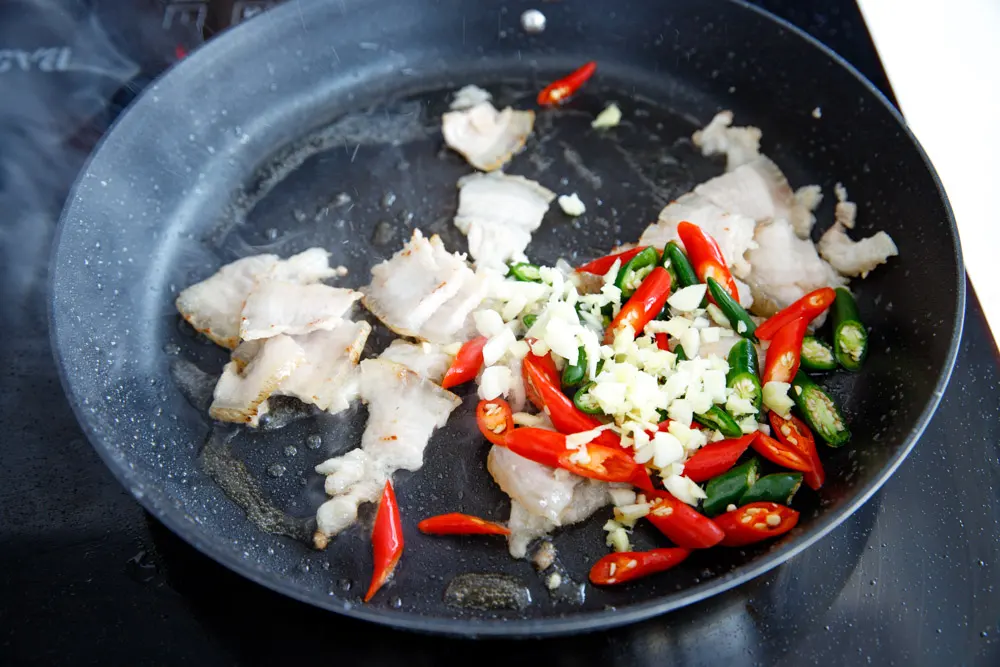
[636, 384]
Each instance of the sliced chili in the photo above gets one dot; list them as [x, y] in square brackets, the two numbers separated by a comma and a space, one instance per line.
[783, 356]
[495, 420]
[793, 433]
[644, 305]
[716, 458]
[456, 523]
[681, 523]
[602, 265]
[466, 364]
[561, 90]
[781, 454]
[600, 462]
[706, 257]
[387, 540]
[756, 522]
[809, 307]
[617, 568]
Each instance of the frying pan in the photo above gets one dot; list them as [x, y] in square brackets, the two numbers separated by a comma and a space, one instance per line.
[317, 124]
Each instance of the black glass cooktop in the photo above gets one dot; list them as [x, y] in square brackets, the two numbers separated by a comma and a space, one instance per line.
[86, 577]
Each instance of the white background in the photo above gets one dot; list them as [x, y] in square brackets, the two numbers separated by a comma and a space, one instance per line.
[943, 61]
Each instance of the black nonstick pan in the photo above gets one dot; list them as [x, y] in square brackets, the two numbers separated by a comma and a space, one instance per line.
[318, 124]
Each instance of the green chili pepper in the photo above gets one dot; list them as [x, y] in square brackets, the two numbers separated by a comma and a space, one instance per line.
[817, 355]
[681, 355]
[673, 254]
[526, 273]
[819, 410]
[734, 312]
[574, 374]
[777, 488]
[729, 487]
[529, 320]
[850, 338]
[631, 275]
[744, 375]
[585, 402]
[717, 418]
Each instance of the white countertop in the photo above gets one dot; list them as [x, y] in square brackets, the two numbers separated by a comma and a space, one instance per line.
[942, 59]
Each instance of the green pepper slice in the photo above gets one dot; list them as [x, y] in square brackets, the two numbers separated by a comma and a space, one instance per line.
[850, 338]
[779, 487]
[574, 374]
[816, 355]
[819, 410]
[744, 374]
[729, 487]
[631, 275]
[525, 273]
[717, 418]
[585, 402]
[734, 312]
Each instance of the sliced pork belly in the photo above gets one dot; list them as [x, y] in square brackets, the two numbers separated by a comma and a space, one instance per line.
[277, 307]
[785, 268]
[240, 396]
[327, 377]
[213, 306]
[759, 190]
[733, 232]
[404, 409]
[426, 359]
[408, 291]
[542, 498]
[855, 258]
[498, 213]
[739, 144]
[487, 138]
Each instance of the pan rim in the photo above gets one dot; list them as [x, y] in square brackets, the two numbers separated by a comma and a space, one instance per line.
[153, 501]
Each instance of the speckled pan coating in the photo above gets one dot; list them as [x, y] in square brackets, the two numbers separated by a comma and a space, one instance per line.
[317, 124]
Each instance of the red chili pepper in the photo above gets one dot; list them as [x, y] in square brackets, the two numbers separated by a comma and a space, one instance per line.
[683, 524]
[602, 265]
[784, 354]
[466, 364]
[780, 453]
[716, 458]
[460, 524]
[662, 342]
[607, 464]
[645, 304]
[625, 566]
[706, 257]
[542, 386]
[559, 91]
[809, 307]
[387, 540]
[753, 523]
[495, 420]
[794, 433]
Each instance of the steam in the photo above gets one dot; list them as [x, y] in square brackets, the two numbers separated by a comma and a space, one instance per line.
[58, 70]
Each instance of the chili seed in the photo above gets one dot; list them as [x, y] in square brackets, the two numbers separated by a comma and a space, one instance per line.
[631, 564]
[612, 570]
[773, 520]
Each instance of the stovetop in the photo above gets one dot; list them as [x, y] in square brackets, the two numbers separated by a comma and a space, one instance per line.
[86, 576]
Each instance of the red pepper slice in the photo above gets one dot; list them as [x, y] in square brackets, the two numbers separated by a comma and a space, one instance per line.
[755, 522]
[809, 307]
[683, 524]
[542, 386]
[387, 540]
[495, 420]
[784, 354]
[602, 265]
[716, 458]
[466, 364]
[794, 433]
[460, 524]
[625, 566]
[780, 453]
[662, 342]
[706, 257]
[559, 91]
[645, 304]
[607, 464]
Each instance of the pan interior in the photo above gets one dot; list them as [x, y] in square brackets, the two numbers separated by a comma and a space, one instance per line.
[337, 144]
